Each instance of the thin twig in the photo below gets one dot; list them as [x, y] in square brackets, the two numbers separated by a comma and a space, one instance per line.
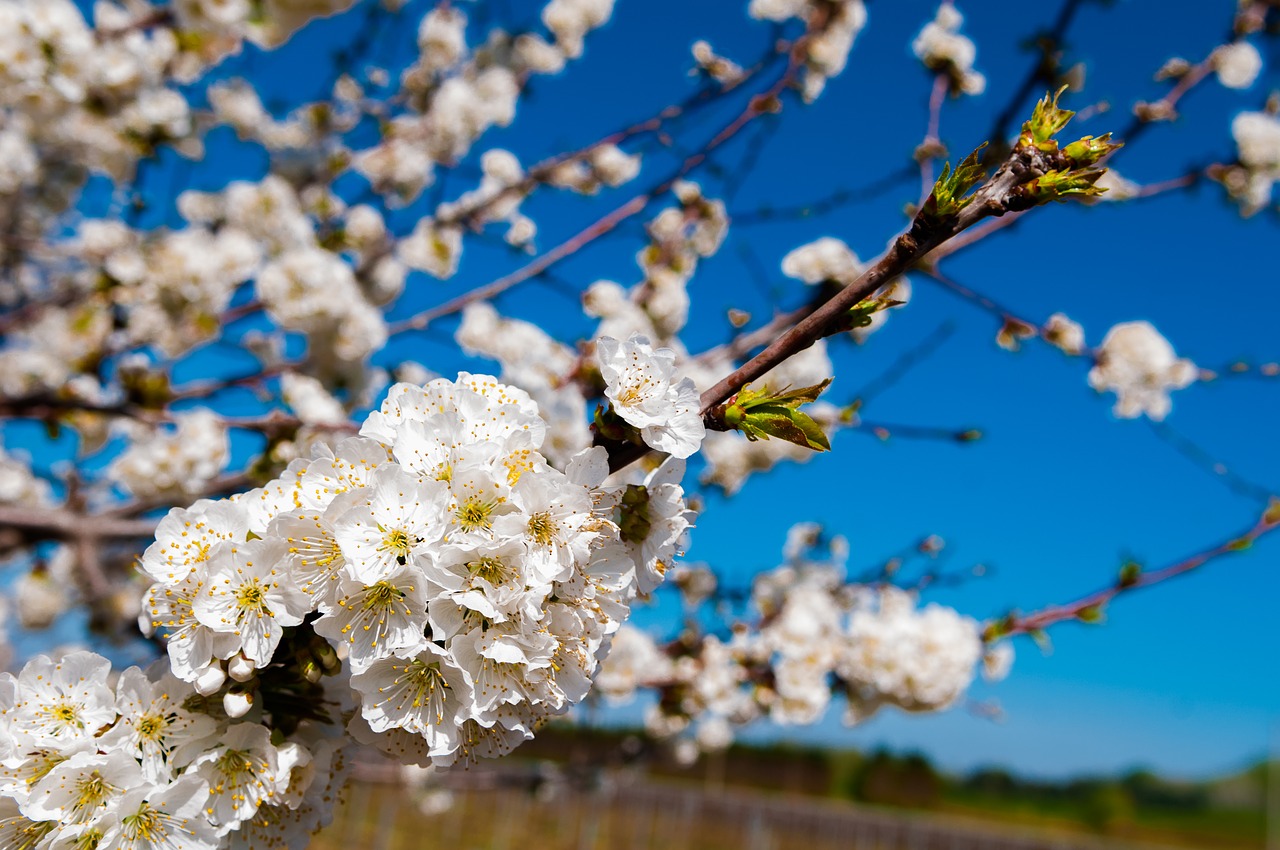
[826, 204]
[1089, 608]
[1201, 457]
[62, 524]
[759, 105]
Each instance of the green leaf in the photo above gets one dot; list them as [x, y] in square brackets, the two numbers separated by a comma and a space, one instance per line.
[951, 193]
[760, 414]
[1061, 185]
[1047, 120]
[859, 315]
[1089, 149]
[816, 437]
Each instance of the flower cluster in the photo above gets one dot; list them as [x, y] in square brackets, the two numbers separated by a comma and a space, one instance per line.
[1139, 365]
[833, 25]
[469, 586]
[177, 463]
[1257, 136]
[942, 48]
[19, 485]
[811, 636]
[456, 95]
[147, 764]
[1237, 64]
[915, 659]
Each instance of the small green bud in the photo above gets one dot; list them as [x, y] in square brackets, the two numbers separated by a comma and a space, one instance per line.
[1240, 544]
[634, 524]
[1130, 573]
[1090, 149]
[325, 655]
[758, 414]
[1047, 120]
[951, 193]
[1091, 614]
[859, 315]
[1060, 185]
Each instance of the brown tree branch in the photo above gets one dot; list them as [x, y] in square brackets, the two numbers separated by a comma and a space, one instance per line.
[62, 524]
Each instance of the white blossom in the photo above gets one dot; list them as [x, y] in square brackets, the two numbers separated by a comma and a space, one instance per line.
[1139, 365]
[1257, 136]
[1237, 64]
[154, 725]
[178, 462]
[570, 20]
[1061, 332]
[249, 593]
[941, 47]
[826, 259]
[641, 383]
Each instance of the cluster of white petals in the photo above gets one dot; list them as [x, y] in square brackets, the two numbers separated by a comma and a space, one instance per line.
[19, 485]
[45, 593]
[642, 385]
[604, 165]
[917, 659]
[656, 309]
[570, 20]
[825, 259]
[457, 94]
[177, 462]
[469, 586]
[1139, 365]
[94, 89]
[942, 48]
[679, 238]
[723, 70]
[1257, 136]
[139, 761]
[833, 27]
[537, 363]
[812, 637]
[1237, 64]
[1065, 334]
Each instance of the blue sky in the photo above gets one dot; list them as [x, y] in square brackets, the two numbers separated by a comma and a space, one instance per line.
[1182, 677]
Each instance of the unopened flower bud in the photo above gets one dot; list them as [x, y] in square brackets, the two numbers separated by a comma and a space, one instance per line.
[236, 703]
[312, 671]
[240, 668]
[210, 679]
